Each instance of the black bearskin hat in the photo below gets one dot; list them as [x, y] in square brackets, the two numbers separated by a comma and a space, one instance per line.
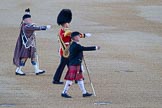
[27, 14]
[65, 16]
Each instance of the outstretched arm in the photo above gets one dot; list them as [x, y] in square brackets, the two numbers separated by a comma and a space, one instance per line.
[91, 48]
[88, 48]
[35, 27]
[83, 35]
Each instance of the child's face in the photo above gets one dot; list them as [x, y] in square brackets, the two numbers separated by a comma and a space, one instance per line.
[76, 38]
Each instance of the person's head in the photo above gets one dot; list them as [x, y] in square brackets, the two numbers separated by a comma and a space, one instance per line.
[75, 36]
[27, 17]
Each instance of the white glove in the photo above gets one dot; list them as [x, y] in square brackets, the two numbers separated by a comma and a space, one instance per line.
[97, 47]
[88, 34]
[48, 26]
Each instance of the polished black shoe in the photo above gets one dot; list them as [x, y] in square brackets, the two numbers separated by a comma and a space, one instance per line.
[65, 95]
[87, 94]
[22, 74]
[57, 82]
[40, 73]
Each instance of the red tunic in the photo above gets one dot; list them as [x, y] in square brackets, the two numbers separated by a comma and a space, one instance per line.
[66, 40]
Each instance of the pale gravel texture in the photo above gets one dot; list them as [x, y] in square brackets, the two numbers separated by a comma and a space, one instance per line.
[126, 72]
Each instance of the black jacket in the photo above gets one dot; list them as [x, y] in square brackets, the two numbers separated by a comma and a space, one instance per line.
[76, 53]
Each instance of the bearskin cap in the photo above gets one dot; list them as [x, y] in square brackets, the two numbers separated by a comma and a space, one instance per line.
[65, 16]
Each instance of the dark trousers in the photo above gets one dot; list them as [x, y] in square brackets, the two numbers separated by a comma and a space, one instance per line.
[63, 62]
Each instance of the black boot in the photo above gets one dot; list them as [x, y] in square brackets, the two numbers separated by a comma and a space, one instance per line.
[87, 94]
[57, 82]
[65, 95]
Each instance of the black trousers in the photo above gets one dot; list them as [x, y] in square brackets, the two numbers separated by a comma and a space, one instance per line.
[63, 62]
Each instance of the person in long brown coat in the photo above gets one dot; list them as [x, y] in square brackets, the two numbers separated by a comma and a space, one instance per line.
[26, 45]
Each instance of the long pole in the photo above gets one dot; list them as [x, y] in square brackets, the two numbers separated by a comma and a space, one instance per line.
[36, 53]
[89, 77]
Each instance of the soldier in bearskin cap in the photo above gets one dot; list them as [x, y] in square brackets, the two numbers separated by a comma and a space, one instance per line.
[26, 44]
[64, 18]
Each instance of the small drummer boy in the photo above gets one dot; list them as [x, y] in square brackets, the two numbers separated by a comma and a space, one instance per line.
[75, 60]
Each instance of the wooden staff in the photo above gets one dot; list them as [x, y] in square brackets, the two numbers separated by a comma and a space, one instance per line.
[89, 77]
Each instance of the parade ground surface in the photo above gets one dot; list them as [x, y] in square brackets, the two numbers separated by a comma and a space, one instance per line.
[126, 72]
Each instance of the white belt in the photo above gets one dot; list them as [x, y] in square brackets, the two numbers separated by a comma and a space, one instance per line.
[67, 43]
